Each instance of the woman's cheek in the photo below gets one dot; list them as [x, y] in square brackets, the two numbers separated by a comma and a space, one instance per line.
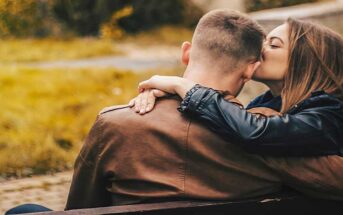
[260, 73]
[267, 71]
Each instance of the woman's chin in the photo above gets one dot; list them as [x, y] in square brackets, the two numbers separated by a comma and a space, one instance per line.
[258, 77]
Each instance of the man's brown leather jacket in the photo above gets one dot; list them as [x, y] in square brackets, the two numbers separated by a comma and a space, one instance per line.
[129, 158]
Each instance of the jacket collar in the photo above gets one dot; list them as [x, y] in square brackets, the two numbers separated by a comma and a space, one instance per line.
[275, 102]
[266, 100]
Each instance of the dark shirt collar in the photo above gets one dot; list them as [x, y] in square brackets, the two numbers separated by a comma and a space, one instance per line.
[275, 102]
[266, 100]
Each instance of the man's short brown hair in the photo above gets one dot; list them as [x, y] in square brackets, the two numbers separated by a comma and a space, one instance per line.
[230, 33]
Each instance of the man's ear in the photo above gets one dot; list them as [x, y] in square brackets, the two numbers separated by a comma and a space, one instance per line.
[185, 48]
[250, 70]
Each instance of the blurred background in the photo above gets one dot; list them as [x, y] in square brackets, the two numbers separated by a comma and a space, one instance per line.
[62, 61]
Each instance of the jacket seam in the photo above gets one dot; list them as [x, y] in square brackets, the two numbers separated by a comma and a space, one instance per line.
[186, 157]
[85, 162]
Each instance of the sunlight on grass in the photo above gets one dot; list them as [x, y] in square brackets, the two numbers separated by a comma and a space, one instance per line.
[47, 113]
[30, 50]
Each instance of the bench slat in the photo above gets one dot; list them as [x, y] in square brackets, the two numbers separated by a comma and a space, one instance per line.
[277, 205]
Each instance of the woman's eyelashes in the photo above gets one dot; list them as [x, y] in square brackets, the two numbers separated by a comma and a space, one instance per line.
[274, 43]
[274, 46]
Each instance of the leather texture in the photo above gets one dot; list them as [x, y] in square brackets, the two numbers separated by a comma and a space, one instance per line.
[128, 158]
[311, 128]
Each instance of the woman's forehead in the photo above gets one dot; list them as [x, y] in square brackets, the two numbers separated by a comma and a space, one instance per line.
[279, 32]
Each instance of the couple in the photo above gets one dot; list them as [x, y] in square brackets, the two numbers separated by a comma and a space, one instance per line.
[198, 142]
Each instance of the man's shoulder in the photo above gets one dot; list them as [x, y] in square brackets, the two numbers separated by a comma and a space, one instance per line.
[163, 103]
[124, 114]
[116, 115]
[113, 109]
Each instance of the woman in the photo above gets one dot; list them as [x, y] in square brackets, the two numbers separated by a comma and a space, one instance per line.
[302, 65]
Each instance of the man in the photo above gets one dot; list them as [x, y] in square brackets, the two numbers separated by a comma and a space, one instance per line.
[128, 158]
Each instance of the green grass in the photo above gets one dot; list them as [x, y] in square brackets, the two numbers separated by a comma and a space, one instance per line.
[31, 50]
[46, 114]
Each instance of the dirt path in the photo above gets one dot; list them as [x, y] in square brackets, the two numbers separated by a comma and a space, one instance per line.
[48, 190]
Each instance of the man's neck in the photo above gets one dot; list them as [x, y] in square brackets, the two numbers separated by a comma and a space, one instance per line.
[213, 77]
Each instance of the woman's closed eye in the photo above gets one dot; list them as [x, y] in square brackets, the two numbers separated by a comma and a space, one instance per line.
[275, 43]
[274, 46]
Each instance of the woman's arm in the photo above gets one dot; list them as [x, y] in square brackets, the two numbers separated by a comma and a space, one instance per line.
[158, 86]
[312, 131]
[168, 84]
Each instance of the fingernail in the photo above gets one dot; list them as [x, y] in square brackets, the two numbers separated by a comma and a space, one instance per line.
[142, 111]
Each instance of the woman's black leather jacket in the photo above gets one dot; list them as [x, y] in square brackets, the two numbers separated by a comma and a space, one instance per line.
[312, 127]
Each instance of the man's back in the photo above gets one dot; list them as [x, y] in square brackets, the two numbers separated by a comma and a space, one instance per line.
[149, 156]
[129, 158]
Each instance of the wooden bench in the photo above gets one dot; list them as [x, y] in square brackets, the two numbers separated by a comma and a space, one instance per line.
[280, 204]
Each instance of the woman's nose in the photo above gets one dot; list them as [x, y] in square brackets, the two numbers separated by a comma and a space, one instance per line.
[263, 49]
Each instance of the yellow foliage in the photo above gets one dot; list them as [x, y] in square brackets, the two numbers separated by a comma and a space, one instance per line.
[31, 50]
[126, 11]
[46, 114]
[18, 17]
[111, 29]
[165, 35]
[108, 31]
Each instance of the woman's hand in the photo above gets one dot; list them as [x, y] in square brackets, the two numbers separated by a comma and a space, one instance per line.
[168, 84]
[145, 101]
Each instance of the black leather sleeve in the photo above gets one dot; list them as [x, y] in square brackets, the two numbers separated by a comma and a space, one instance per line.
[311, 131]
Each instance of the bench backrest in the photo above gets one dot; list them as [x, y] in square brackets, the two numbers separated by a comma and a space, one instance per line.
[292, 204]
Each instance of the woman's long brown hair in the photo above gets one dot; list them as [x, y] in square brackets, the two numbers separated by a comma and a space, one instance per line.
[315, 63]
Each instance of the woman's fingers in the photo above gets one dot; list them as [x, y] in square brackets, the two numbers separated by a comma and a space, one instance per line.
[142, 85]
[144, 101]
[150, 102]
[138, 103]
[145, 84]
[132, 102]
[159, 93]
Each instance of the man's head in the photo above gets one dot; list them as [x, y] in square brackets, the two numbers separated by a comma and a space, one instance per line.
[226, 41]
